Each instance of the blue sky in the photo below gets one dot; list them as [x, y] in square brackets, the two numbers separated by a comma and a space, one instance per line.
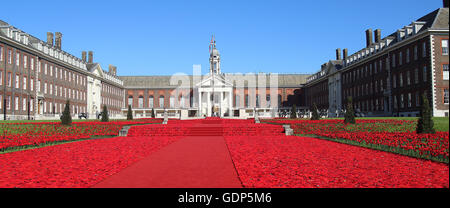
[166, 37]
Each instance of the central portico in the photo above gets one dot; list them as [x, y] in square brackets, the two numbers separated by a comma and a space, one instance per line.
[215, 93]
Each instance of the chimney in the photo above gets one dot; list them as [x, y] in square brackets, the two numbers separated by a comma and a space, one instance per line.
[58, 40]
[345, 53]
[445, 3]
[91, 57]
[112, 69]
[377, 35]
[369, 38]
[50, 38]
[83, 56]
[338, 54]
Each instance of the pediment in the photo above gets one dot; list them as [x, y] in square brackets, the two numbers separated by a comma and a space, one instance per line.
[216, 80]
[97, 70]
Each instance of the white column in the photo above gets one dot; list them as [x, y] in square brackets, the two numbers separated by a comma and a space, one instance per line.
[208, 104]
[220, 104]
[200, 103]
[230, 103]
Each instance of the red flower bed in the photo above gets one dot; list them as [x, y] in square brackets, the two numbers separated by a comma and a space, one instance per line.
[300, 162]
[73, 165]
[399, 134]
[23, 134]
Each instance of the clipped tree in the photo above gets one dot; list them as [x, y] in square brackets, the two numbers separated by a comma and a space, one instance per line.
[105, 117]
[153, 113]
[315, 113]
[66, 118]
[425, 125]
[350, 113]
[130, 113]
[294, 111]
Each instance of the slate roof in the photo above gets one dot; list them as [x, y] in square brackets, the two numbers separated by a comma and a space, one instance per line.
[163, 82]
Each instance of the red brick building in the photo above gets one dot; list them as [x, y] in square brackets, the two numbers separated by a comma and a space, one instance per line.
[388, 76]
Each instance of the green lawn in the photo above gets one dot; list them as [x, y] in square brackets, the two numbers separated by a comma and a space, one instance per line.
[440, 123]
[37, 121]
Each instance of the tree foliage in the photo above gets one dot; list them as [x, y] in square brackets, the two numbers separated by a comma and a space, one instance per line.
[130, 113]
[66, 118]
[425, 125]
[294, 111]
[350, 113]
[105, 116]
[315, 113]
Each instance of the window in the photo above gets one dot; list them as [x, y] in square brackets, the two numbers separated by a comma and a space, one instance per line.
[161, 101]
[279, 101]
[130, 100]
[376, 86]
[424, 74]
[444, 72]
[446, 96]
[24, 83]
[395, 102]
[150, 101]
[181, 100]
[141, 101]
[408, 78]
[393, 60]
[444, 44]
[417, 99]
[16, 103]
[32, 63]
[402, 100]
[268, 101]
[24, 105]
[17, 81]
[409, 100]
[8, 103]
[424, 49]
[400, 76]
[9, 56]
[45, 69]
[1, 53]
[31, 104]
[375, 68]
[246, 101]
[1, 78]
[258, 101]
[380, 66]
[172, 101]
[407, 55]
[8, 79]
[236, 101]
[31, 84]
[400, 58]
[415, 52]
[416, 76]
[18, 59]
[25, 63]
[45, 88]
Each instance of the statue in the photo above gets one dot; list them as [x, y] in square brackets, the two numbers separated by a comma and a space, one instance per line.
[166, 119]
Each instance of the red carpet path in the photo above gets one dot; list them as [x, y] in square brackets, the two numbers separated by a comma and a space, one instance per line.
[191, 162]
